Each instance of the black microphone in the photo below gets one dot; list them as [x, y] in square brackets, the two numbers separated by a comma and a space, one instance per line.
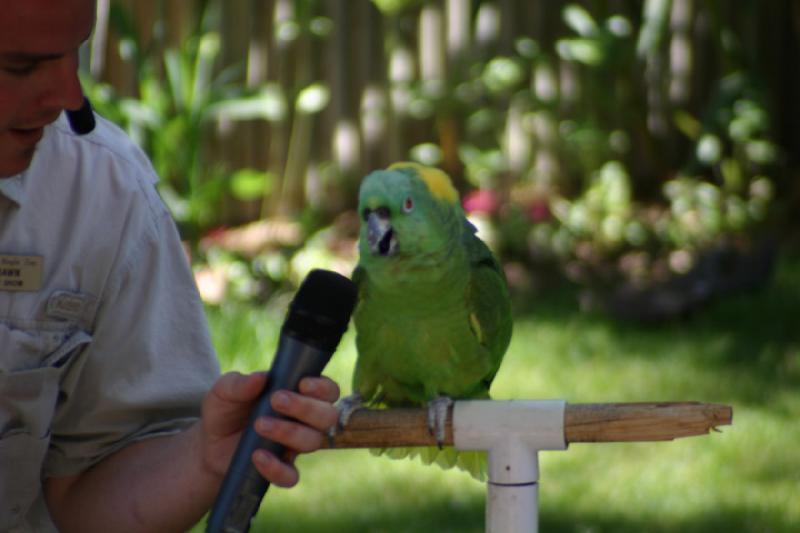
[314, 325]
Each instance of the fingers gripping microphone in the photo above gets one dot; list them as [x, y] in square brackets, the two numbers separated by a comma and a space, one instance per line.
[315, 322]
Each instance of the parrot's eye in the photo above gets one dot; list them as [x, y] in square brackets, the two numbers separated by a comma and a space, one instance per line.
[408, 205]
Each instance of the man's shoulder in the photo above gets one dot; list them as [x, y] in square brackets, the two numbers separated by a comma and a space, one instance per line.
[102, 173]
[107, 147]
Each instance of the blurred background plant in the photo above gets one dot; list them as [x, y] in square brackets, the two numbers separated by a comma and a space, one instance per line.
[626, 146]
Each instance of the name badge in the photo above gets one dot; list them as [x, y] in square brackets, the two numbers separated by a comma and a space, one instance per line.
[21, 272]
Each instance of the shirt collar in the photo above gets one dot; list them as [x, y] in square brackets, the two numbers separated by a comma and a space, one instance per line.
[12, 188]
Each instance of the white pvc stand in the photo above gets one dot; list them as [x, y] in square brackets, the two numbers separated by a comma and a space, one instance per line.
[513, 432]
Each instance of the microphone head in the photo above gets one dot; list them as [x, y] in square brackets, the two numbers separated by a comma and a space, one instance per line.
[321, 309]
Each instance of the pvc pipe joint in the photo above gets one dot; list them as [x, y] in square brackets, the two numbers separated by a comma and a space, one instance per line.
[513, 432]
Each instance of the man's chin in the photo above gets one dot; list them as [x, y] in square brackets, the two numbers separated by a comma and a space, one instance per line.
[15, 163]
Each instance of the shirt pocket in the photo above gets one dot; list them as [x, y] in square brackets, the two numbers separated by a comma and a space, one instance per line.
[20, 486]
[32, 362]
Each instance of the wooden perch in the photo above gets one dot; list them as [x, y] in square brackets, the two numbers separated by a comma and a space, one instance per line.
[590, 422]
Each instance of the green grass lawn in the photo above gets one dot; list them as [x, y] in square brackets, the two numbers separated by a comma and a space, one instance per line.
[743, 351]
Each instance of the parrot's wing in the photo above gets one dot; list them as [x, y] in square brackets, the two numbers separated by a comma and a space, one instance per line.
[488, 299]
[364, 382]
[358, 278]
[478, 253]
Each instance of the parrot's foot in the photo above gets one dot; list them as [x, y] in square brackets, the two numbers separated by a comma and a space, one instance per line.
[437, 418]
[346, 407]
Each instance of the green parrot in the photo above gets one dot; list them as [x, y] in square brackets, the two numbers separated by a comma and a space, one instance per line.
[433, 319]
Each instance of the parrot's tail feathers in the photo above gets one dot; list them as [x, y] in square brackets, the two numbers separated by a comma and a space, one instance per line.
[395, 453]
[428, 455]
[446, 457]
[476, 463]
[472, 462]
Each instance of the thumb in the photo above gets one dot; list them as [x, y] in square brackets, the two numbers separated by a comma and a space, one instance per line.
[235, 387]
[226, 407]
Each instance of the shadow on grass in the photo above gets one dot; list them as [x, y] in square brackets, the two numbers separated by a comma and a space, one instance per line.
[754, 334]
[441, 517]
[742, 520]
[438, 515]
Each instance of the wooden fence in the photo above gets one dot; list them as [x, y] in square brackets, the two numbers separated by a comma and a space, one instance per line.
[387, 73]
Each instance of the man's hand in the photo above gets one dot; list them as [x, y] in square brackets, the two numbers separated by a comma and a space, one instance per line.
[226, 410]
[167, 483]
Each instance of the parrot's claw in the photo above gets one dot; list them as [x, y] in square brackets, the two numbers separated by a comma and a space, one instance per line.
[346, 407]
[437, 418]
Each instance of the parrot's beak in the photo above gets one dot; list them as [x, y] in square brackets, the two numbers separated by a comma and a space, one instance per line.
[380, 234]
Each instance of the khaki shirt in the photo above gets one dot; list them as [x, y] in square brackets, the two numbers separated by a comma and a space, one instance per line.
[103, 340]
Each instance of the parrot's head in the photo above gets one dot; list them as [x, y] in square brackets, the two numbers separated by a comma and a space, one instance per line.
[408, 210]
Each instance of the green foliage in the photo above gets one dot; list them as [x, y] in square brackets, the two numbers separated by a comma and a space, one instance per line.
[603, 212]
[393, 7]
[250, 184]
[571, 123]
[588, 149]
[181, 94]
[312, 99]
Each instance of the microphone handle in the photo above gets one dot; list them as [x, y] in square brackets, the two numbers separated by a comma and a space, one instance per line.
[243, 487]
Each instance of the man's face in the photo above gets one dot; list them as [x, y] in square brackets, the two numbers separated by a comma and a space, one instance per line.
[39, 41]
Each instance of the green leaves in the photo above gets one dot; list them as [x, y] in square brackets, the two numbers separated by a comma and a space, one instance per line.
[250, 184]
[576, 121]
[394, 7]
[502, 74]
[587, 51]
[595, 44]
[577, 18]
[268, 103]
[182, 94]
[655, 25]
[313, 98]
[709, 149]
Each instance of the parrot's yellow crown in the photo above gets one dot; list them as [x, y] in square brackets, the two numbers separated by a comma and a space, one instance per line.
[438, 182]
